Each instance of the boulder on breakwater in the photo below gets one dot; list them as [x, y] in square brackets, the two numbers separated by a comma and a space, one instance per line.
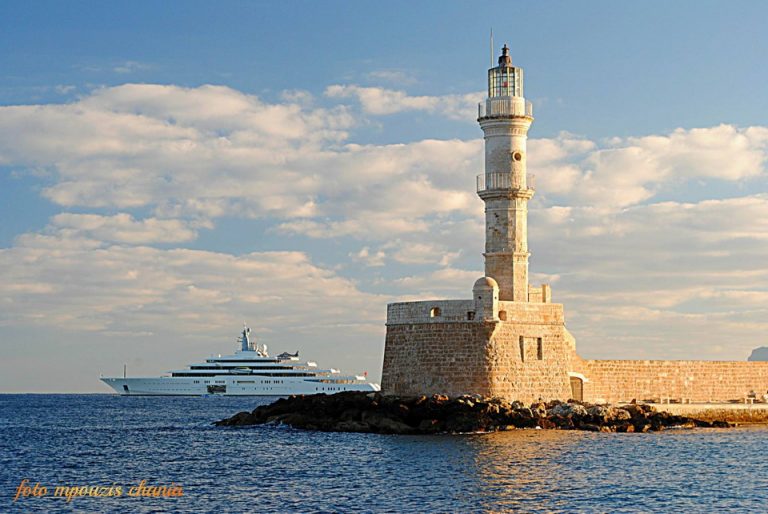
[385, 414]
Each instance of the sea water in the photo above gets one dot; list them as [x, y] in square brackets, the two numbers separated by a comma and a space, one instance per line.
[76, 441]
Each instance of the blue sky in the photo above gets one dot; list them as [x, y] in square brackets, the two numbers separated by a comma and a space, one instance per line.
[170, 169]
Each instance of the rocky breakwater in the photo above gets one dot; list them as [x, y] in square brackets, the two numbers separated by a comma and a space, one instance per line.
[384, 414]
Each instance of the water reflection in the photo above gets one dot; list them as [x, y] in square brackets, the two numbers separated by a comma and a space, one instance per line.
[565, 471]
[506, 471]
[518, 470]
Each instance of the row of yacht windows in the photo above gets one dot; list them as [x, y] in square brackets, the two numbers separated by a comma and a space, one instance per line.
[324, 389]
[261, 381]
[240, 367]
[229, 361]
[240, 381]
[185, 374]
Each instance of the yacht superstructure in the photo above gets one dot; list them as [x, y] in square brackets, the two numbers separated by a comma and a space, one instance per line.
[250, 371]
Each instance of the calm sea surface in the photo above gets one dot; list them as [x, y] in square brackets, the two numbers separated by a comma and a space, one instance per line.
[76, 440]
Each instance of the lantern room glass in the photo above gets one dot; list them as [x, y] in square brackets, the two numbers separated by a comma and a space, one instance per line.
[505, 81]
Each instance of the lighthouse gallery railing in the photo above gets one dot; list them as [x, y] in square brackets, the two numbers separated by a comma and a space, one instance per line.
[504, 106]
[491, 181]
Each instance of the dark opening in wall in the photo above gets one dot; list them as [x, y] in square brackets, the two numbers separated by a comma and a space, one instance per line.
[522, 348]
[435, 312]
[577, 389]
[539, 349]
[503, 315]
[470, 315]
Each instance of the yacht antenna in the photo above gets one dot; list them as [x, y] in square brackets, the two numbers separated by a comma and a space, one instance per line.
[246, 343]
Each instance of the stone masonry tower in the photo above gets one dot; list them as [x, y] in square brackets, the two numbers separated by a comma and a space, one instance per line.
[505, 187]
[508, 340]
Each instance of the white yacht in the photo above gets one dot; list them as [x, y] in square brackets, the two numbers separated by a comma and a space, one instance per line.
[250, 371]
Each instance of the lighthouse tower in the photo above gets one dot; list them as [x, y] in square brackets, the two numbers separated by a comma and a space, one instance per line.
[508, 340]
[505, 118]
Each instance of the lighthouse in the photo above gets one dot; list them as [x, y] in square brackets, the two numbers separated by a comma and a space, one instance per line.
[505, 187]
[508, 340]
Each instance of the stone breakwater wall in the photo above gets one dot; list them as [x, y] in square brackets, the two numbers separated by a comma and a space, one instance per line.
[689, 381]
[732, 412]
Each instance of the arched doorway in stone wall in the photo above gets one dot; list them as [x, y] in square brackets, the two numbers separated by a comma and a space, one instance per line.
[577, 389]
[577, 386]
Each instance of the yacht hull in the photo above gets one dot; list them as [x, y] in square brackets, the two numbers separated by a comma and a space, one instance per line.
[227, 386]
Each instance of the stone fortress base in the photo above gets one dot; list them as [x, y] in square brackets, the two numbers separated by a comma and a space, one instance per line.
[523, 351]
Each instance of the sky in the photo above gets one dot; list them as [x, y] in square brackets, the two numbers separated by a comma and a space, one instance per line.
[170, 170]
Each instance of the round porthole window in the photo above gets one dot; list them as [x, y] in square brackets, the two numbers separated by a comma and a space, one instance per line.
[517, 156]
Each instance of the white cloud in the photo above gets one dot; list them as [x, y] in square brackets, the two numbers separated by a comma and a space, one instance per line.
[206, 151]
[75, 283]
[380, 101]
[368, 257]
[373, 227]
[123, 228]
[416, 252]
[633, 170]
[298, 96]
[212, 152]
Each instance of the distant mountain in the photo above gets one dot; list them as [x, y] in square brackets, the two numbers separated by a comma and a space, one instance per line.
[759, 354]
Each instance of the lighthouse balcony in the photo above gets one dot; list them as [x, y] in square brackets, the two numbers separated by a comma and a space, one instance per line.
[504, 181]
[505, 106]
